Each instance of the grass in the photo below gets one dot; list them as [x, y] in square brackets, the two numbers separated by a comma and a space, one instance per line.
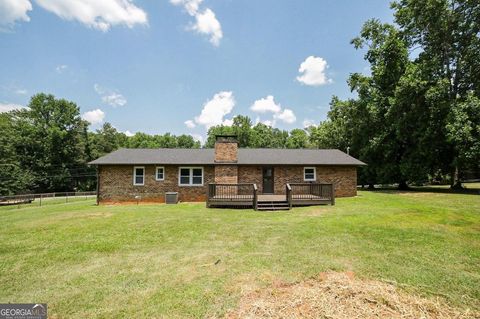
[188, 261]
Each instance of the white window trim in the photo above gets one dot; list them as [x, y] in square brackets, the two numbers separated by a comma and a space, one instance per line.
[156, 173]
[191, 168]
[314, 174]
[134, 175]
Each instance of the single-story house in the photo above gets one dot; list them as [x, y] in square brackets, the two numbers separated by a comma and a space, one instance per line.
[226, 171]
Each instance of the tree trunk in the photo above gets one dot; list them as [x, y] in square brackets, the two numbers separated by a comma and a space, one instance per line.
[456, 183]
[403, 185]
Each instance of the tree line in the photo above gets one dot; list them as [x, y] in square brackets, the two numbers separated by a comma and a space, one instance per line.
[46, 147]
[415, 117]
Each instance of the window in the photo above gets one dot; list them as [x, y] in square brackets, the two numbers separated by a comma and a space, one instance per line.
[138, 175]
[190, 176]
[160, 174]
[309, 174]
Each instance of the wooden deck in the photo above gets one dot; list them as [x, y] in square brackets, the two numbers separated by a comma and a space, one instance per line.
[246, 195]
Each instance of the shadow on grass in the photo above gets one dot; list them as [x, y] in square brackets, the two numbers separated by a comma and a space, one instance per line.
[469, 189]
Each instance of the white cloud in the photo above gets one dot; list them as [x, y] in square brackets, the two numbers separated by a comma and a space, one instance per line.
[14, 10]
[307, 123]
[216, 109]
[98, 89]
[114, 99]
[110, 97]
[286, 116]
[206, 22]
[269, 123]
[60, 68]
[94, 117]
[190, 124]
[128, 133]
[21, 91]
[266, 104]
[190, 5]
[7, 107]
[313, 71]
[97, 14]
[198, 137]
[227, 122]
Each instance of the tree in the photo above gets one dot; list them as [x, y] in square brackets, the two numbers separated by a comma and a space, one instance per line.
[13, 179]
[187, 141]
[463, 131]
[49, 142]
[297, 138]
[106, 140]
[447, 33]
[242, 127]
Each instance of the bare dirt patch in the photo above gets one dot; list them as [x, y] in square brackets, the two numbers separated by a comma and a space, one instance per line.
[341, 295]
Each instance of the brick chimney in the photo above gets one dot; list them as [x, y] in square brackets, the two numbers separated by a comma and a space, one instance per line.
[226, 149]
[226, 156]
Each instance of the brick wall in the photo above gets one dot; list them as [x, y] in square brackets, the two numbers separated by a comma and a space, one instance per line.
[344, 177]
[116, 184]
[226, 152]
[116, 181]
[226, 174]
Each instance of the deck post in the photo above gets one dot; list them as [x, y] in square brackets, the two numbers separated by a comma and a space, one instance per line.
[289, 195]
[255, 197]
[333, 194]
[208, 195]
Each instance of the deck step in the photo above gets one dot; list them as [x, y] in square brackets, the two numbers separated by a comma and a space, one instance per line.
[272, 208]
[273, 205]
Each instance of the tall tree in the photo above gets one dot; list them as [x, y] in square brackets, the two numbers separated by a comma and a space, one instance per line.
[297, 138]
[447, 35]
[50, 133]
[13, 178]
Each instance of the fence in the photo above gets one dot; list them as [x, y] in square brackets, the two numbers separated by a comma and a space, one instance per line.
[45, 198]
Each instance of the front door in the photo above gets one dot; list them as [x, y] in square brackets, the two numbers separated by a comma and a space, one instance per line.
[268, 180]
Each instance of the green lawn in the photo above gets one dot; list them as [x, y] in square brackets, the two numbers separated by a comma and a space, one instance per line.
[188, 261]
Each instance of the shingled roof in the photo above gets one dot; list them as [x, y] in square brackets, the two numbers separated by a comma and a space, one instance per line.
[246, 156]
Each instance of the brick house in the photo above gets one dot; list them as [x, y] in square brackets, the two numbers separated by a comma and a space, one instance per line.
[129, 174]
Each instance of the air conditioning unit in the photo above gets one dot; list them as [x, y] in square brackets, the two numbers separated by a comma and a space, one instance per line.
[171, 197]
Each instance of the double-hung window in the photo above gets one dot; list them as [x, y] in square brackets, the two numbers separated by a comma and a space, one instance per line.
[139, 175]
[160, 173]
[190, 176]
[309, 174]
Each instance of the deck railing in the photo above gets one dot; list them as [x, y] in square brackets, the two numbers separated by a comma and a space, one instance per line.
[232, 194]
[311, 192]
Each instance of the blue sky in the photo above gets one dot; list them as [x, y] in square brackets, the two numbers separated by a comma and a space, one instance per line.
[181, 66]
